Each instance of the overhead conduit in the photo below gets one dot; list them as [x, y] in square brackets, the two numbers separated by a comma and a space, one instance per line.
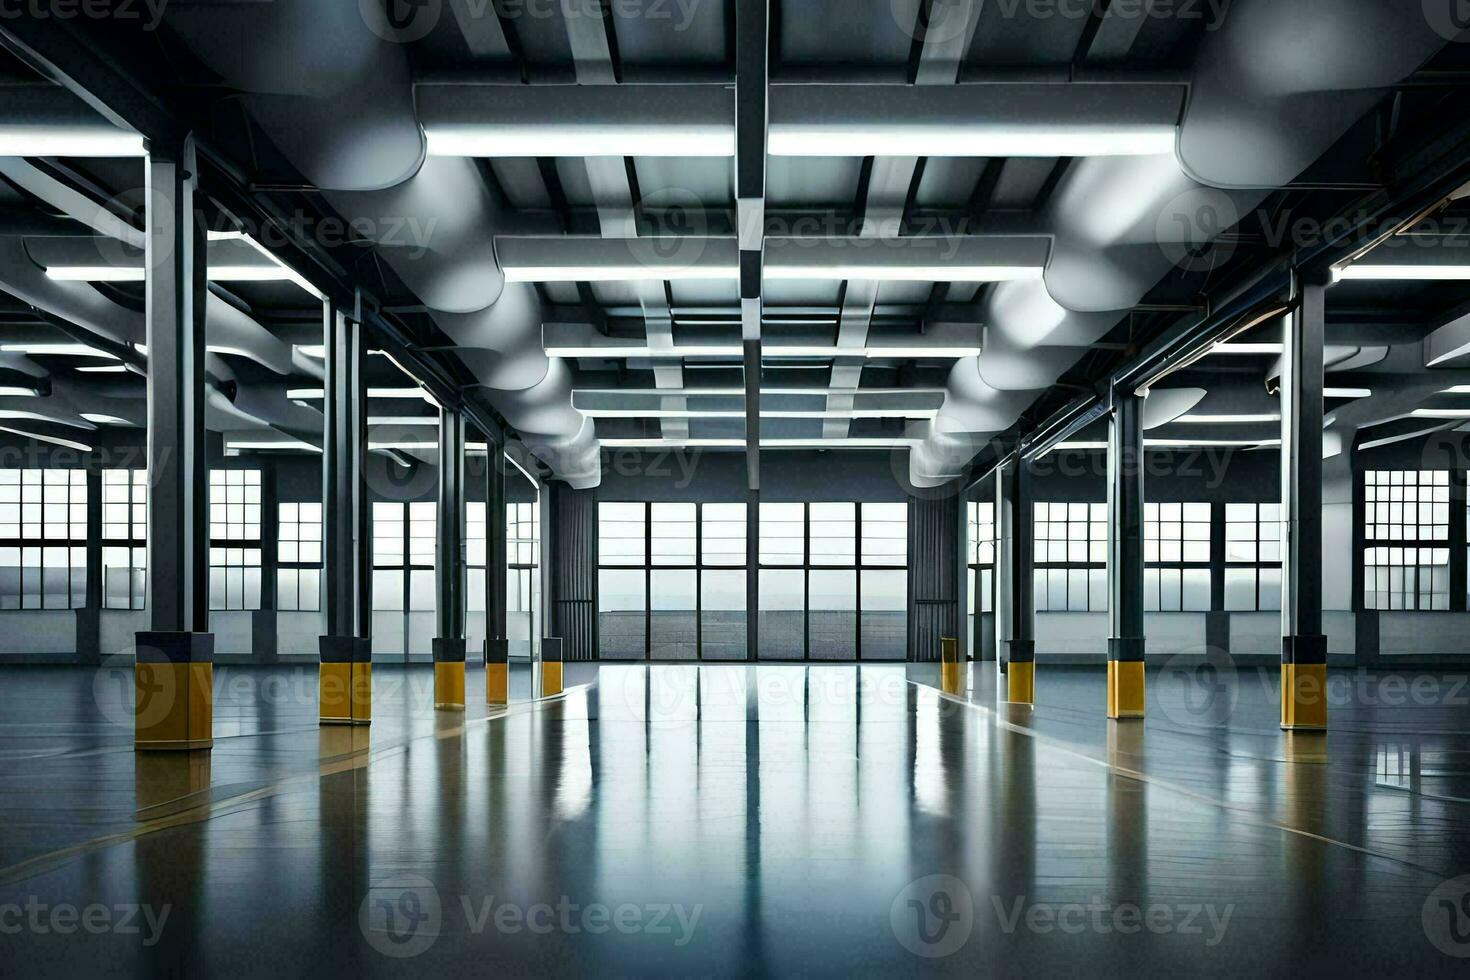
[338, 101]
[1254, 121]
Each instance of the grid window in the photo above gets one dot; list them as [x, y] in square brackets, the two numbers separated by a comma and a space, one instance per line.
[476, 538]
[980, 552]
[722, 535]
[404, 546]
[43, 538]
[299, 558]
[124, 539]
[1071, 555]
[783, 534]
[1176, 553]
[234, 539]
[886, 534]
[523, 575]
[1252, 557]
[673, 535]
[1406, 555]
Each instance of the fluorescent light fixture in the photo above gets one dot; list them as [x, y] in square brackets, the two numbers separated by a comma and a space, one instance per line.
[1233, 348]
[419, 420]
[1440, 413]
[1354, 392]
[845, 443]
[674, 413]
[1228, 419]
[104, 369]
[290, 444]
[579, 141]
[95, 273]
[98, 419]
[988, 142]
[16, 391]
[61, 141]
[1389, 273]
[405, 446]
[1170, 444]
[317, 394]
[1457, 390]
[54, 440]
[897, 273]
[637, 272]
[614, 352]
[56, 350]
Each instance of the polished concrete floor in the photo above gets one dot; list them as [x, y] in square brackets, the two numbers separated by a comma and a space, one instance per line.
[734, 820]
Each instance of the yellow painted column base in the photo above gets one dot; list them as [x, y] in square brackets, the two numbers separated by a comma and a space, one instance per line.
[497, 684]
[550, 679]
[949, 665]
[1304, 697]
[1021, 683]
[1125, 689]
[345, 694]
[449, 686]
[173, 706]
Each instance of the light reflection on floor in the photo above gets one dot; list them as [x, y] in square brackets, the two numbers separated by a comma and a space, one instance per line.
[785, 812]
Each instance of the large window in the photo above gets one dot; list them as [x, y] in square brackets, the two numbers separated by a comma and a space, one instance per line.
[1071, 549]
[1176, 555]
[124, 539]
[477, 558]
[833, 581]
[980, 558]
[523, 576]
[403, 577]
[234, 539]
[671, 581]
[1252, 557]
[43, 539]
[299, 558]
[1406, 539]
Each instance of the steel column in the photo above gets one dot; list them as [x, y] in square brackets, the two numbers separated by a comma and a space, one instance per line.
[449, 570]
[174, 669]
[346, 649]
[1125, 556]
[1015, 578]
[1303, 646]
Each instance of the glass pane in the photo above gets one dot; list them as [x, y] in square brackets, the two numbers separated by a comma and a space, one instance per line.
[834, 534]
[885, 615]
[723, 532]
[782, 607]
[672, 615]
[832, 621]
[723, 614]
[782, 533]
[673, 534]
[621, 619]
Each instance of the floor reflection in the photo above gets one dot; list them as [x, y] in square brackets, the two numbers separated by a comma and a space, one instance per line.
[722, 819]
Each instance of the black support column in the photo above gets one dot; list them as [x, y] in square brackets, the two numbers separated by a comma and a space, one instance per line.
[346, 650]
[174, 670]
[449, 575]
[1303, 645]
[1015, 582]
[497, 645]
[1125, 556]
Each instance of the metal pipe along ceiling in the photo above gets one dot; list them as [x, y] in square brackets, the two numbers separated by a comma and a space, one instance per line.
[1253, 123]
[338, 100]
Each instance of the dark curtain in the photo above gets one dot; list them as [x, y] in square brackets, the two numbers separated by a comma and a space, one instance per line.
[574, 571]
[934, 582]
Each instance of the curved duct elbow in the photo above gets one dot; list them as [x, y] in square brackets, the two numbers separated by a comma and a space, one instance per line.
[76, 302]
[336, 97]
[1259, 113]
[437, 231]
